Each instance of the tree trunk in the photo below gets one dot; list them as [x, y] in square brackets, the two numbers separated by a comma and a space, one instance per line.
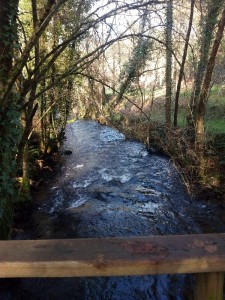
[169, 27]
[209, 23]
[181, 73]
[24, 191]
[8, 134]
[28, 114]
[8, 36]
[51, 8]
[206, 84]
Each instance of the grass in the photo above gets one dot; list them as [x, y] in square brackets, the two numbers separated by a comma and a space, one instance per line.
[71, 121]
[216, 126]
[215, 112]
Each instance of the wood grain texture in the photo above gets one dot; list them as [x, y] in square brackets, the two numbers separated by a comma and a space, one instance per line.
[113, 256]
[209, 286]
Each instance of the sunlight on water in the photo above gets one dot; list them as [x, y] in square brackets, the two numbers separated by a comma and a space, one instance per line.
[83, 184]
[110, 135]
[78, 202]
[109, 175]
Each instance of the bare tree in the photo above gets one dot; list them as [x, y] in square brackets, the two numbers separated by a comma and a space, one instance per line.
[169, 28]
[181, 73]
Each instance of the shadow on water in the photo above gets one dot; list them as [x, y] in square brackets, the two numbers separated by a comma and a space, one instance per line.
[107, 187]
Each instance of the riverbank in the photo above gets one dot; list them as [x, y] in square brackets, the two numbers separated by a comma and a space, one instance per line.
[110, 186]
[174, 144]
[207, 195]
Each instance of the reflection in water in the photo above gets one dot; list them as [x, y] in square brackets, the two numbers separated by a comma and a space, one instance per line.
[110, 187]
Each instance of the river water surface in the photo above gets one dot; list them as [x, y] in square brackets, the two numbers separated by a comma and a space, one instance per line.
[110, 186]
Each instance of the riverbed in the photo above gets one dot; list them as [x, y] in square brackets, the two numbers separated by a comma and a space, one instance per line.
[110, 186]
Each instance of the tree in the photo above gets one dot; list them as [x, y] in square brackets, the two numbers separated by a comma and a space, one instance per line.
[32, 74]
[133, 67]
[181, 73]
[169, 28]
[8, 118]
[50, 56]
[206, 84]
[208, 24]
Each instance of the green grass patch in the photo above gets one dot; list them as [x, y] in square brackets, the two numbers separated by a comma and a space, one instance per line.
[216, 126]
[215, 109]
[215, 112]
[71, 121]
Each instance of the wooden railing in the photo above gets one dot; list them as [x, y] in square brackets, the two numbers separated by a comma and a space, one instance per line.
[202, 254]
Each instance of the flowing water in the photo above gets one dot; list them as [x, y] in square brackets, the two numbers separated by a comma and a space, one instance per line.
[110, 186]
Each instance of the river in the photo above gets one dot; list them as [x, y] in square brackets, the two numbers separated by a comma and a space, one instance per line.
[109, 186]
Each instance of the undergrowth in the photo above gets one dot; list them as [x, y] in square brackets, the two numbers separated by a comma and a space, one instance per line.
[176, 144]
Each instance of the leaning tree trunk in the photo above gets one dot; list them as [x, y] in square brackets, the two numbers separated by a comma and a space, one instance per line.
[27, 121]
[206, 84]
[209, 23]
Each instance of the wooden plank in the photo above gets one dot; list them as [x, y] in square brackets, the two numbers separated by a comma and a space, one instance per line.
[209, 286]
[113, 256]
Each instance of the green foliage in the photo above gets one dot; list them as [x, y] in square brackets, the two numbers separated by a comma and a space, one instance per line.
[9, 129]
[138, 59]
[215, 126]
[8, 37]
[9, 135]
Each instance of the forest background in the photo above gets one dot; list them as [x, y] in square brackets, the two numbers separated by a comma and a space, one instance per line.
[154, 69]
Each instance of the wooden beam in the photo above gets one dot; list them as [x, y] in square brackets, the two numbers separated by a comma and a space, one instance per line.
[209, 286]
[113, 256]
